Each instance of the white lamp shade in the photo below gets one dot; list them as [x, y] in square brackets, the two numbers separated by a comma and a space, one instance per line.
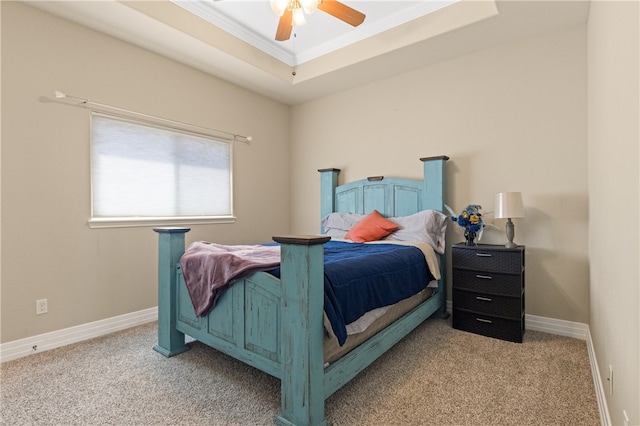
[509, 205]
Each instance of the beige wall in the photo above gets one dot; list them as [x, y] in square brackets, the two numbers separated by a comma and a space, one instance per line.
[48, 251]
[512, 118]
[614, 203]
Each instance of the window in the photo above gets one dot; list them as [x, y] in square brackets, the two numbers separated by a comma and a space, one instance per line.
[143, 174]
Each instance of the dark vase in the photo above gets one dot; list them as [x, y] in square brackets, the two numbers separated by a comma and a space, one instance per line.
[469, 238]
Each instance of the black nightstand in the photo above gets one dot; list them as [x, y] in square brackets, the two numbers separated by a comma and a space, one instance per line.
[488, 290]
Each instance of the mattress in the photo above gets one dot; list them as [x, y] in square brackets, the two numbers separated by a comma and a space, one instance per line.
[332, 349]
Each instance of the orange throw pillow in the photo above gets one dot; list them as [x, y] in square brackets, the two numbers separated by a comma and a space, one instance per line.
[372, 228]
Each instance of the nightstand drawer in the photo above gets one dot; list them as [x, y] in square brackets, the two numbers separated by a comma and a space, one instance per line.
[510, 307]
[487, 282]
[489, 260]
[486, 325]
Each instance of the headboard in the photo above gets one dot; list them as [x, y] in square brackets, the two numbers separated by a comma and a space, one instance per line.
[390, 196]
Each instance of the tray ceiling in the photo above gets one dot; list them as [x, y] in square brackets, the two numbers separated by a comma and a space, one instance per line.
[233, 39]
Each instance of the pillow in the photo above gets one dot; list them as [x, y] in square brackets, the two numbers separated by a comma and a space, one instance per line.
[336, 225]
[428, 226]
[372, 228]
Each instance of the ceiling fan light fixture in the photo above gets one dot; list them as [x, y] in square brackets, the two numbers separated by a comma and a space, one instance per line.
[292, 13]
[279, 6]
[309, 6]
[298, 17]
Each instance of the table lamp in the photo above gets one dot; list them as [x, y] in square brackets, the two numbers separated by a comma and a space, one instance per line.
[509, 205]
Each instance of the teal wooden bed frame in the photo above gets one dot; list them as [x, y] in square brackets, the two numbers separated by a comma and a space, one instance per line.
[276, 325]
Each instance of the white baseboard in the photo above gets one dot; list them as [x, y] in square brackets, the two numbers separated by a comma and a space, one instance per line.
[605, 419]
[576, 330]
[55, 339]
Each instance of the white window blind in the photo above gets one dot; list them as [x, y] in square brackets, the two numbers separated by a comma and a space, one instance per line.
[141, 171]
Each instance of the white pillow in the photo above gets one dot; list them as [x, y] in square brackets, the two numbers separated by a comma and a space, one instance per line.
[336, 225]
[428, 226]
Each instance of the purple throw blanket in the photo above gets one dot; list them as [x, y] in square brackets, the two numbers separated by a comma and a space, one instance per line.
[209, 269]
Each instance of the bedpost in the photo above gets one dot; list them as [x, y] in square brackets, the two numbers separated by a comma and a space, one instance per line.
[328, 183]
[170, 248]
[434, 195]
[302, 285]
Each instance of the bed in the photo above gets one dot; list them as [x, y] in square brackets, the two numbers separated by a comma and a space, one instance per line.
[279, 325]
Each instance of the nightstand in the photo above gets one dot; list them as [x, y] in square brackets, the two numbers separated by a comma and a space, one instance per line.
[488, 290]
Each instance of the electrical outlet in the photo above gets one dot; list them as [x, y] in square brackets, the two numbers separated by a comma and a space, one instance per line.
[41, 306]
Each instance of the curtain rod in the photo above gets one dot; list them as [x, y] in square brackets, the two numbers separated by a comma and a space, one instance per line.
[85, 103]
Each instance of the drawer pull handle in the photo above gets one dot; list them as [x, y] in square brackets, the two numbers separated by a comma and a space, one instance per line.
[485, 299]
[484, 255]
[484, 320]
[484, 277]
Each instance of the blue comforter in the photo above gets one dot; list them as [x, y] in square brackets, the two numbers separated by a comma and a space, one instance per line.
[361, 277]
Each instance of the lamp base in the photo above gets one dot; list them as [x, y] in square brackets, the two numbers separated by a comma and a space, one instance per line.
[510, 234]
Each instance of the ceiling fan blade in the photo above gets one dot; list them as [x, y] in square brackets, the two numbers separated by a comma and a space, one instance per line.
[342, 12]
[285, 25]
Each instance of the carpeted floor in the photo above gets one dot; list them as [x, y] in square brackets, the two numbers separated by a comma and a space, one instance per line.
[435, 376]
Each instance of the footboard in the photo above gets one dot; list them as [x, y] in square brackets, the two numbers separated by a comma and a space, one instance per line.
[245, 323]
[247, 320]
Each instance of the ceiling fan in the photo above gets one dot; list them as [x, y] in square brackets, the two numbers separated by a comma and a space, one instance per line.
[292, 12]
